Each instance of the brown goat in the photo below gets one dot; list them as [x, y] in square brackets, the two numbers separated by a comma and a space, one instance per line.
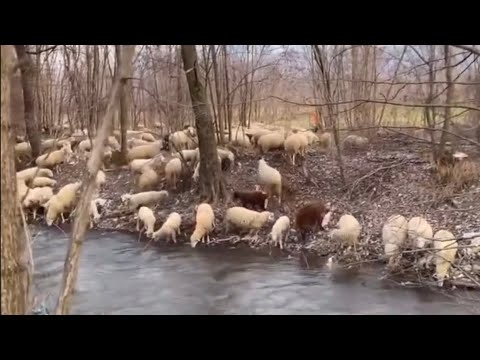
[311, 217]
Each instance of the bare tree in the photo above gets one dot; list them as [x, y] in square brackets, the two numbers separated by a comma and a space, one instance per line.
[28, 76]
[16, 269]
[449, 100]
[211, 180]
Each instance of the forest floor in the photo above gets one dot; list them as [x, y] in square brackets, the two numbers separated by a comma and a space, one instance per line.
[390, 177]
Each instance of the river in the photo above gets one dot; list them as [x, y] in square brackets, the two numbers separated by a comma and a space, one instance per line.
[121, 276]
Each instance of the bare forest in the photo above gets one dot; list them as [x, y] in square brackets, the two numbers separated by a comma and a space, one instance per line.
[386, 134]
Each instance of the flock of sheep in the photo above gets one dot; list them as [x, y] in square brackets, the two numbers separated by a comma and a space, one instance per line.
[148, 165]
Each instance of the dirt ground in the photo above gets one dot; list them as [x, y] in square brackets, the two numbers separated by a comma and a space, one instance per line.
[390, 177]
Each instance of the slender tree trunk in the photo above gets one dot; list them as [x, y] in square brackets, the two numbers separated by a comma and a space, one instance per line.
[28, 84]
[15, 267]
[450, 93]
[218, 92]
[228, 102]
[211, 180]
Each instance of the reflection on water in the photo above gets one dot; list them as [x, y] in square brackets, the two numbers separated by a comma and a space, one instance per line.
[119, 276]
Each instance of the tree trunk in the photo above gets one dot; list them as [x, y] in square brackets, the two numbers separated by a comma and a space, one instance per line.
[28, 84]
[218, 92]
[16, 270]
[211, 183]
[124, 60]
[450, 91]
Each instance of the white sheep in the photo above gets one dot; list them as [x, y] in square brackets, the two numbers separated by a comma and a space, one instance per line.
[144, 151]
[132, 143]
[280, 231]
[137, 165]
[22, 189]
[419, 232]
[296, 144]
[41, 181]
[53, 158]
[93, 213]
[311, 137]
[37, 197]
[65, 200]
[205, 223]
[23, 149]
[180, 140]
[169, 229]
[100, 179]
[225, 154]
[247, 219]
[255, 134]
[394, 234]
[148, 137]
[113, 143]
[270, 141]
[271, 179]
[143, 198]
[188, 155]
[173, 171]
[240, 139]
[28, 174]
[84, 145]
[147, 179]
[446, 247]
[348, 230]
[146, 216]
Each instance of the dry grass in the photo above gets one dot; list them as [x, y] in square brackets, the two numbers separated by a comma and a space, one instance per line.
[459, 175]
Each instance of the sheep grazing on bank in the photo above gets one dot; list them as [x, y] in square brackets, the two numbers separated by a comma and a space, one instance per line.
[93, 210]
[144, 151]
[296, 144]
[251, 199]
[272, 141]
[23, 149]
[180, 140]
[146, 198]
[255, 134]
[173, 170]
[204, 224]
[394, 234]
[246, 219]
[62, 202]
[146, 216]
[312, 217]
[22, 189]
[419, 232]
[446, 247]
[137, 165]
[36, 198]
[41, 181]
[312, 138]
[169, 229]
[224, 154]
[280, 231]
[271, 179]
[28, 174]
[54, 158]
[188, 155]
[148, 137]
[148, 179]
[347, 231]
[355, 141]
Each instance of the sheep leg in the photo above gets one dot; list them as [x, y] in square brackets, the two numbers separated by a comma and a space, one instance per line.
[293, 159]
[138, 224]
[63, 219]
[174, 237]
[34, 213]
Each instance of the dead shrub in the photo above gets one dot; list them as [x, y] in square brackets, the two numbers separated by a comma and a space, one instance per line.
[459, 174]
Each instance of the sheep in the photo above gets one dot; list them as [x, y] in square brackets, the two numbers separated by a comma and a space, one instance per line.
[169, 229]
[311, 137]
[93, 212]
[419, 232]
[144, 151]
[196, 172]
[84, 145]
[280, 231]
[255, 134]
[37, 197]
[180, 139]
[272, 141]
[62, 202]
[147, 137]
[137, 165]
[145, 214]
[226, 154]
[131, 143]
[348, 231]
[173, 170]
[28, 174]
[325, 141]
[147, 179]
[42, 181]
[204, 224]
[23, 149]
[247, 219]
[312, 216]
[296, 144]
[145, 198]
[100, 179]
[446, 247]
[271, 179]
[22, 189]
[355, 141]
[188, 155]
[394, 234]
[251, 199]
[53, 158]
[113, 143]
[240, 139]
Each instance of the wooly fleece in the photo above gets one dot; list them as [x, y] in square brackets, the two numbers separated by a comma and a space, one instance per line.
[205, 222]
